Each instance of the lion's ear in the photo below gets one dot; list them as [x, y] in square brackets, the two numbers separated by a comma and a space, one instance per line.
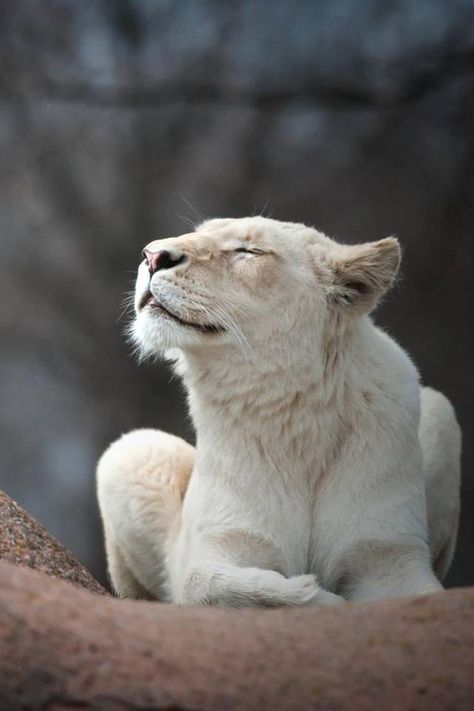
[363, 272]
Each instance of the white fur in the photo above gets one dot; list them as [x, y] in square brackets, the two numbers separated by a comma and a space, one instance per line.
[308, 483]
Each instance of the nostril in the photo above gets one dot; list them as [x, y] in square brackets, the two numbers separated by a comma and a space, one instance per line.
[161, 260]
[165, 260]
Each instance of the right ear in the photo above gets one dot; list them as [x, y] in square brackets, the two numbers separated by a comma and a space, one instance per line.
[363, 272]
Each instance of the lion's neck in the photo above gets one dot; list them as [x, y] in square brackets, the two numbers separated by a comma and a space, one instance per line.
[274, 407]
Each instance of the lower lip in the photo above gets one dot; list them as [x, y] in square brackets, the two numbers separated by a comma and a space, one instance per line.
[151, 301]
[155, 304]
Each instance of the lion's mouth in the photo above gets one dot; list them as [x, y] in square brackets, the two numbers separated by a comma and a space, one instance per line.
[148, 300]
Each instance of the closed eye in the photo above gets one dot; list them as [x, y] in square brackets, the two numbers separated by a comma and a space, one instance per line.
[248, 250]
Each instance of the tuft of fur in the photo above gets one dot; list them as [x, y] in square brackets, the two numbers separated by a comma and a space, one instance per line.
[314, 481]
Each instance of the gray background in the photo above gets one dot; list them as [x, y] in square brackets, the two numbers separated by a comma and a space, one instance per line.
[356, 117]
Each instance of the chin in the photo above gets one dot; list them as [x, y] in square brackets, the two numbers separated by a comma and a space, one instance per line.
[152, 335]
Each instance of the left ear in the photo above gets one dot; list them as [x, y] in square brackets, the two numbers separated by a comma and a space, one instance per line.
[363, 272]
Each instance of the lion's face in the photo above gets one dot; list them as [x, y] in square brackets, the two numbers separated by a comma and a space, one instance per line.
[244, 281]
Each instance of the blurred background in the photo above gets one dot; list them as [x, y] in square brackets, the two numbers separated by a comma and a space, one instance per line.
[120, 118]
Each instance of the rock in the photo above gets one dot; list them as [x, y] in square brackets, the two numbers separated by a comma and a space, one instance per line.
[353, 116]
[24, 541]
[95, 652]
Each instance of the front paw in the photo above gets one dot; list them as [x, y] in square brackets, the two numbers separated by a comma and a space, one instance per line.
[305, 590]
[301, 589]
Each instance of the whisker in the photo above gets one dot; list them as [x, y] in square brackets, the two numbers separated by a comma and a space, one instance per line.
[126, 304]
[264, 212]
[187, 221]
[198, 215]
[232, 325]
[218, 309]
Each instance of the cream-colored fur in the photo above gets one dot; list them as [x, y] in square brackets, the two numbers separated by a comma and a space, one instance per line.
[314, 479]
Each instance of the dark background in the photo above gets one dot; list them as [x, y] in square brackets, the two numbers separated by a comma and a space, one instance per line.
[354, 116]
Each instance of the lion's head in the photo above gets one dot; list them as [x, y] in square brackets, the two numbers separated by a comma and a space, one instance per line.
[250, 281]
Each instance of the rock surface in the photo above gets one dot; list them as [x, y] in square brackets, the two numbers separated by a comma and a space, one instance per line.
[64, 647]
[23, 540]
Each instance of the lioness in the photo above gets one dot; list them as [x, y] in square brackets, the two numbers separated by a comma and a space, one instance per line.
[322, 472]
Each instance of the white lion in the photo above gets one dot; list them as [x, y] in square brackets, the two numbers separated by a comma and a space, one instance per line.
[322, 472]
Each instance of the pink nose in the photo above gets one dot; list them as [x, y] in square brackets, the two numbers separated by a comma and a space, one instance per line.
[161, 260]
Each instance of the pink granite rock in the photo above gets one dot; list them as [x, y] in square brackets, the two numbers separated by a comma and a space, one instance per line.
[63, 647]
[23, 540]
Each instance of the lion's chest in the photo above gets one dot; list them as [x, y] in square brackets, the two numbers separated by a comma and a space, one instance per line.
[260, 518]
